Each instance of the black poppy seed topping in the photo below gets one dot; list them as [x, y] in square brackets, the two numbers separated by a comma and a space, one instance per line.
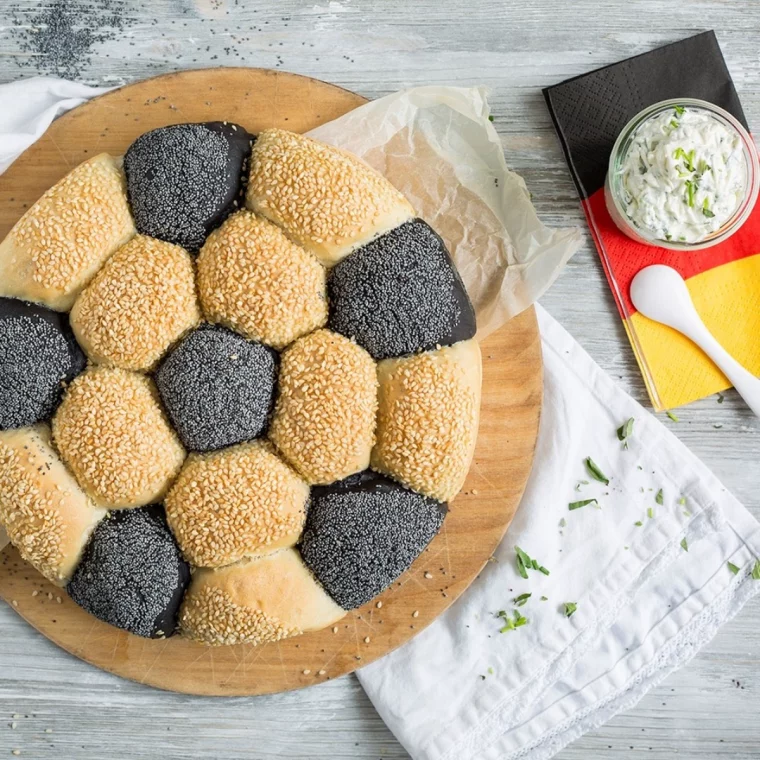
[218, 388]
[38, 354]
[132, 574]
[184, 180]
[362, 533]
[400, 294]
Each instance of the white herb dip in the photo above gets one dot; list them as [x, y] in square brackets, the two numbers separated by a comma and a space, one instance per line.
[684, 175]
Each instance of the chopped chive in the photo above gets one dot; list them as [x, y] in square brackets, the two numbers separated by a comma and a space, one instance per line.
[658, 498]
[542, 569]
[570, 608]
[521, 567]
[679, 110]
[691, 190]
[672, 416]
[733, 568]
[625, 430]
[650, 513]
[756, 571]
[534, 564]
[595, 472]
[682, 501]
[684, 545]
[674, 124]
[510, 626]
[638, 523]
[686, 513]
[522, 599]
[578, 504]
[544, 598]
[490, 671]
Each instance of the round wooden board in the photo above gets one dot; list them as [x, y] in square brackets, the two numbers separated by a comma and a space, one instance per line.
[478, 518]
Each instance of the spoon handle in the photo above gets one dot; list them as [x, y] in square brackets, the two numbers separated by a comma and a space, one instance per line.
[745, 383]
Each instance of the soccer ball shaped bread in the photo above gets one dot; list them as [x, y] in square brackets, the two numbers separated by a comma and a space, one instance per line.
[265, 393]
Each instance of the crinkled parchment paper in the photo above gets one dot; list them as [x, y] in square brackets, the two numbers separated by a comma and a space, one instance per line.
[438, 147]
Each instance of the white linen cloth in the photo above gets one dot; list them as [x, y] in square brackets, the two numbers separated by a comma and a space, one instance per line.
[461, 690]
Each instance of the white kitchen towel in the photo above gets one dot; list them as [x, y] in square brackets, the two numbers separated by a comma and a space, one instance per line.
[647, 570]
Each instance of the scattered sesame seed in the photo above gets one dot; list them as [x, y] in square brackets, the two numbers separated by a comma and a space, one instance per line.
[416, 613]
[306, 672]
[379, 605]
[366, 639]
[322, 672]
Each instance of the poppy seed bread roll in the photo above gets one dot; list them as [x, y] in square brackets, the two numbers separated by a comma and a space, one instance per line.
[59, 244]
[138, 304]
[46, 514]
[259, 600]
[427, 418]
[237, 502]
[324, 418]
[325, 199]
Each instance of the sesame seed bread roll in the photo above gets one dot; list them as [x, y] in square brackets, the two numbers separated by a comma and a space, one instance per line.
[46, 514]
[259, 600]
[427, 419]
[234, 503]
[113, 434]
[59, 244]
[252, 278]
[327, 200]
[324, 417]
[140, 302]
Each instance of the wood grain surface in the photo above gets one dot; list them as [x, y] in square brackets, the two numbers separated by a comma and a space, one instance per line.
[705, 711]
[477, 519]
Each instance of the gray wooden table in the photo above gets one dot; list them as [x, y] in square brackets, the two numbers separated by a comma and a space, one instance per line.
[52, 705]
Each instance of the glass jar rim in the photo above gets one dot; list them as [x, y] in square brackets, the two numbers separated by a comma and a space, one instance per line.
[751, 157]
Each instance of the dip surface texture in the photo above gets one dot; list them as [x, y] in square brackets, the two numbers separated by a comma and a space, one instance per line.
[684, 175]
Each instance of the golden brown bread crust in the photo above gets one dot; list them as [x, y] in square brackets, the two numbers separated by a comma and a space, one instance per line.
[59, 244]
[324, 418]
[427, 419]
[255, 601]
[325, 199]
[237, 502]
[138, 304]
[112, 432]
[47, 516]
[252, 278]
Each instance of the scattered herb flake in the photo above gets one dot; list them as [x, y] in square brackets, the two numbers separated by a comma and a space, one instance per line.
[544, 598]
[519, 601]
[756, 571]
[570, 608]
[490, 671]
[684, 545]
[672, 416]
[490, 117]
[562, 523]
[595, 472]
[578, 504]
[682, 501]
[650, 513]
[626, 429]
[659, 498]
[733, 568]
[679, 110]
[721, 398]
[638, 523]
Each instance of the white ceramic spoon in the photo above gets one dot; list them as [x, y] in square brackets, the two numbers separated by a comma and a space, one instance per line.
[660, 293]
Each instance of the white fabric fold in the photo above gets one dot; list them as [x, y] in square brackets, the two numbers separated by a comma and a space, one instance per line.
[462, 690]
